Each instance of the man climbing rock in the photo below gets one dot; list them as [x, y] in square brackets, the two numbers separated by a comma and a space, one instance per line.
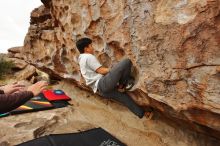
[106, 81]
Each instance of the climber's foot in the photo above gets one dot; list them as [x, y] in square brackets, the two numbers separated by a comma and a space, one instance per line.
[149, 115]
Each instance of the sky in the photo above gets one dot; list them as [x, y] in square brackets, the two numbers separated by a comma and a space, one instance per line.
[15, 18]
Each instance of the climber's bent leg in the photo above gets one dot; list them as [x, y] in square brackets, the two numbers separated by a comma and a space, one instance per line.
[126, 100]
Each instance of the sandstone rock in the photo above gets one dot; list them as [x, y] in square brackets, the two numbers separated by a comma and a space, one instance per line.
[26, 73]
[15, 52]
[15, 49]
[24, 82]
[174, 45]
[218, 69]
[40, 76]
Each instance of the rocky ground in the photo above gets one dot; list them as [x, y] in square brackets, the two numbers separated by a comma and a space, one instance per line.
[89, 111]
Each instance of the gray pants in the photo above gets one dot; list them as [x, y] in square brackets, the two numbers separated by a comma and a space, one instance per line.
[107, 86]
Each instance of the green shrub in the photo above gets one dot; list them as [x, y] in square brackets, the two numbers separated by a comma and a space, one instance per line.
[5, 67]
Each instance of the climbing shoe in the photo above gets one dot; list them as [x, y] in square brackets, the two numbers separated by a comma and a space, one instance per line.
[130, 84]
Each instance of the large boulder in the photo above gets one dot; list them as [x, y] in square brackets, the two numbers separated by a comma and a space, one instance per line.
[174, 46]
[15, 49]
[14, 52]
[27, 73]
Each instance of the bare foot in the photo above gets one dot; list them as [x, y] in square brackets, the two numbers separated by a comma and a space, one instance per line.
[148, 115]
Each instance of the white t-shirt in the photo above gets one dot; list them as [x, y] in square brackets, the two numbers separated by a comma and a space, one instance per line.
[88, 65]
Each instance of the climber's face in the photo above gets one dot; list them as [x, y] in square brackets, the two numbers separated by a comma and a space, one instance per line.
[89, 49]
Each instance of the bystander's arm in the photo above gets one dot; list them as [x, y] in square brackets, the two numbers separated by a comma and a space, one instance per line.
[9, 102]
[9, 99]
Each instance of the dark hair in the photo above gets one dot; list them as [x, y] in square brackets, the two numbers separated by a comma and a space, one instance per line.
[82, 43]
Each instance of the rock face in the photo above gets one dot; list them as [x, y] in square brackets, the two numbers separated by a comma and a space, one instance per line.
[173, 44]
[15, 52]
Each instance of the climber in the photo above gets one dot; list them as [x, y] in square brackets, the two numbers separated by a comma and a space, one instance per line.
[106, 81]
[14, 95]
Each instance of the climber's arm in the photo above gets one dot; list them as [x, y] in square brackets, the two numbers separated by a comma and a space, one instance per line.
[102, 70]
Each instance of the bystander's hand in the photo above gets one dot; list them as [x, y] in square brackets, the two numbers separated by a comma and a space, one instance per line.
[37, 87]
[11, 88]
